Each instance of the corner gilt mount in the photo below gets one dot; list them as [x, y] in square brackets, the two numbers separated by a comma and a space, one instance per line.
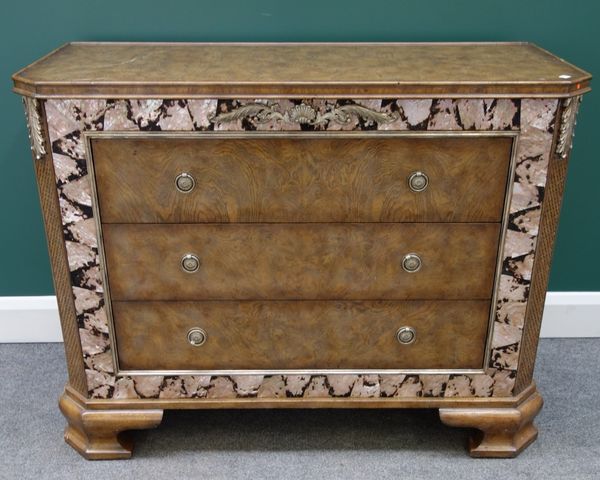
[568, 120]
[34, 125]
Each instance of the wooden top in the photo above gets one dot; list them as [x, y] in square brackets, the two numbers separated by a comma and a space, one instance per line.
[119, 70]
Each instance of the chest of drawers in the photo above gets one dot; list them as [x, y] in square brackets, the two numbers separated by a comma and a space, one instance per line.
[300, 226]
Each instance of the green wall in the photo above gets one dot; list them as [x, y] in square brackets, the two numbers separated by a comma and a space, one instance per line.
[33, 28]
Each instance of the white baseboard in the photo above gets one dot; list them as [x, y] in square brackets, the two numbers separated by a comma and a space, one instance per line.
[29, 320]
[35, 319]
[571, 314]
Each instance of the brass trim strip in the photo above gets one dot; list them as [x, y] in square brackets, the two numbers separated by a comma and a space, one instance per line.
[128, 93]
[306, 371]
[89, 136]
[510, 179]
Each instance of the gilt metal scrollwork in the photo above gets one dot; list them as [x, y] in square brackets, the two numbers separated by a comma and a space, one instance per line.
[304, 114]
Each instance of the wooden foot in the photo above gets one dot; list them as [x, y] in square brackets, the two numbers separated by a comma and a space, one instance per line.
[100, 434]
[502, 432]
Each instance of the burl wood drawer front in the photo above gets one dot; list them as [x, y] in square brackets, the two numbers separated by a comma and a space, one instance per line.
[301, 261]
[278, 335]
[315, 179]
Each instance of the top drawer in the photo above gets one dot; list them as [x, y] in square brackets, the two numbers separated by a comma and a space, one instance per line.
[314, 178]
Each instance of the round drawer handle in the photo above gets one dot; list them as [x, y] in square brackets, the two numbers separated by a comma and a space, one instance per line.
[190, 263]
[196, 337]
[411, 263]
[418, 181]
[406, 335]
[184, 182]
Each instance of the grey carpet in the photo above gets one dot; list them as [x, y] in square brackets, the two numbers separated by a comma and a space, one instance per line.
[319, 444]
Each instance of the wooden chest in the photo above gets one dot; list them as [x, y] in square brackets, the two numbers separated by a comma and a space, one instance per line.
[300, 225]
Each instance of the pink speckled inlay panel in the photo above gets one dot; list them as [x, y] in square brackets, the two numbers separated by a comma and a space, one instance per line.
[68, 119]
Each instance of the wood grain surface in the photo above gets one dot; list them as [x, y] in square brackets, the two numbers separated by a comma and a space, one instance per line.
[116, 69]
[314, 179]
[301, 335]
[103, 434]
[301, 261]
[501, 432]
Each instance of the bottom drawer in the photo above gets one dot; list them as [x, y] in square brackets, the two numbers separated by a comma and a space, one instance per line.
[300, 335]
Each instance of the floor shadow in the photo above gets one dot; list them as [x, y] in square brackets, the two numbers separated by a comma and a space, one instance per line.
[291, 430]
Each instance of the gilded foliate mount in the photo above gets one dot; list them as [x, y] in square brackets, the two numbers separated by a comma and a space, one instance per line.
[568, 120]
[304, 114]
[34, 125]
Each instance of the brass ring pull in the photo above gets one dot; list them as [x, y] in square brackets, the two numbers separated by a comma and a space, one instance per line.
[196, 337]
[418, 181]
[406, 335]
[184, 182]
[411, 263]
[190, 263]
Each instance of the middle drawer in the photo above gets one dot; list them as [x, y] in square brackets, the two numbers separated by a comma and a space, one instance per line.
[301, 261]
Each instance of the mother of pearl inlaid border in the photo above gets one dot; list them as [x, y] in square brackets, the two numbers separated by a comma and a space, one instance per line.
[69, 119]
